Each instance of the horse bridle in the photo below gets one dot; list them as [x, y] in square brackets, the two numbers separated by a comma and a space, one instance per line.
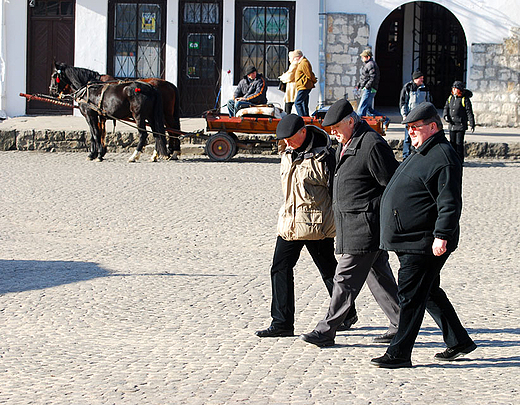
[55, 83]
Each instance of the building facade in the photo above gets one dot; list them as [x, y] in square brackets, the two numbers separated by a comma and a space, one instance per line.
[203, 47]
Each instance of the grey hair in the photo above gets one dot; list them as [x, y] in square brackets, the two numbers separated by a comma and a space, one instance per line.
[354, 116]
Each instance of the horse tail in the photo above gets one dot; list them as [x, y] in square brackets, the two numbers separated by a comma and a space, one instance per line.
[158, 117]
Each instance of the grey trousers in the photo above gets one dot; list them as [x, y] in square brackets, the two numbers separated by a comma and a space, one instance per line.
[351, 273]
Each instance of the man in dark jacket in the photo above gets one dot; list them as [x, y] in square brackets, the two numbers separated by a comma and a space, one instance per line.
[364, 165]
[251, 90]
[457, 112]
[368, 84]
[427, 189]
[413, 93]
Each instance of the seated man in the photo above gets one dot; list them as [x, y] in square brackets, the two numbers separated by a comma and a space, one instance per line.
[251, 90]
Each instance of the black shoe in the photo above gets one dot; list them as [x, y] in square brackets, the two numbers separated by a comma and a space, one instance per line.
[347, 324]
[317, 338]
[451, 353]
[384, 338]
[274, 331]
[388, 361]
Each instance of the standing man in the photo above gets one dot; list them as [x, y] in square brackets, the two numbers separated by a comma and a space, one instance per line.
[457, 112]
[365, 164]
[305, 81]
[251, 90]
[368, 84]
[427, 189]
[413, 93]
[305, 219]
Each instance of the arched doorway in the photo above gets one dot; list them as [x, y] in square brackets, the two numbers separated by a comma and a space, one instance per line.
[420, 35]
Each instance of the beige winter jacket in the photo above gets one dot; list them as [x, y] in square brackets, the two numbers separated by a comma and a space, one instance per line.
[307, 210]
[289, 79]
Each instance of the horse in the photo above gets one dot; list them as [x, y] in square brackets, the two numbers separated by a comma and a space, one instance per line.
[70, 79]
[101, 101]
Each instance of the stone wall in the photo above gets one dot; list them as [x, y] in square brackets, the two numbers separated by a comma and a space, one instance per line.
[495, 75]
[347, 36]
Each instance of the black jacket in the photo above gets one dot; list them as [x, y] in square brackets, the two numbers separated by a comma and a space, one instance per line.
[369, 75]
[254, 91]
[458, 111]
[359, 181]
[423, 200]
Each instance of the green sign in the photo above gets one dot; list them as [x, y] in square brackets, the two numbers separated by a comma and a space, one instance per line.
[194, 45]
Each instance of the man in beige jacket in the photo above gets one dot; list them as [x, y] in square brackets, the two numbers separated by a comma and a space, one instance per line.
[305, 218]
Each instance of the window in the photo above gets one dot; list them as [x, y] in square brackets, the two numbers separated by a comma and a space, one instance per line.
[265, 35]
[137, 38]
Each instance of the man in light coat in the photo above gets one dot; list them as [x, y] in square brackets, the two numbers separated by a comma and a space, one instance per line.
[305, 218]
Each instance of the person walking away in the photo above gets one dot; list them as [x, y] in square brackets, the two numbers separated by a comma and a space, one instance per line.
[427, 186]
[364, 165]
[305, 81]
[368, 84]
[251, 90]
[457, 112]
[305, 218]
[288, 78]
[413, 93]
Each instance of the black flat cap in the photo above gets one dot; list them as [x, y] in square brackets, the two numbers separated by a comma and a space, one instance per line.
[417, 74]
[458, 85]
[288, 126]
[250, 69]
[339, 110]
[423, 111]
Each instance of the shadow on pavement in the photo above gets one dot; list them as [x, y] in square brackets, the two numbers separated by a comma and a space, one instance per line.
[25, 275]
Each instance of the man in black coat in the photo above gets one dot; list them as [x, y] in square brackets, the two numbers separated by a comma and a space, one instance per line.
[420, 212]
[364, 165]
[457, 112]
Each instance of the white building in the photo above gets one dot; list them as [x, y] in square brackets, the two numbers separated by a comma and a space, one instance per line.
[202, 45]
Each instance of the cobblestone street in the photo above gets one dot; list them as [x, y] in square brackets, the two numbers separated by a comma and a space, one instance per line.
[144, 283]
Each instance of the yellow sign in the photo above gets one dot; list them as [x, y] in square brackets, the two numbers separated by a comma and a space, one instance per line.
[148, 22]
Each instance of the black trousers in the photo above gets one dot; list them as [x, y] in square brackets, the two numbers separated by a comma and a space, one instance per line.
[418, 289]
[457, 141]
[288, 107]
[286, 255]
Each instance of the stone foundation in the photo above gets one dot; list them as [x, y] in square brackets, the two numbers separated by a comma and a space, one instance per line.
[347, 37]
[495, 78]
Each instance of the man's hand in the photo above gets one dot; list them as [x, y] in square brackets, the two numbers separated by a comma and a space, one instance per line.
[439, 246]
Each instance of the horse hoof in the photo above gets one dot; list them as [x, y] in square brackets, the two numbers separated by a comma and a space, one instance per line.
[135, 157]
[100, 159]
[155, 156]
[174, 156]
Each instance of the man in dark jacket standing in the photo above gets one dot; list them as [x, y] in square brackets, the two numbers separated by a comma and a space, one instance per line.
[364, 165]
[457, 112]
[251, 90]
[368, 84]
[420, 212]
[413, 93]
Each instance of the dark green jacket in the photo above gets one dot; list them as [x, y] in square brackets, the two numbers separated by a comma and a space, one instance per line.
[423, 200]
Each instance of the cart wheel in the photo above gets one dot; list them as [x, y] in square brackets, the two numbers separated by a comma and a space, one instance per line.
[221, 147]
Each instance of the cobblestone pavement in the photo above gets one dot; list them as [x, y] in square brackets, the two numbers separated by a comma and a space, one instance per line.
[144, 283]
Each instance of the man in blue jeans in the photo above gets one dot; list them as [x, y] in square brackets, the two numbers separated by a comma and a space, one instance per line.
[251, 90]
[368, 84]
[420, 212]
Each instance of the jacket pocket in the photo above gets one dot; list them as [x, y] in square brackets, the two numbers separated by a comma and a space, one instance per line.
[397, 220]
[310, 217]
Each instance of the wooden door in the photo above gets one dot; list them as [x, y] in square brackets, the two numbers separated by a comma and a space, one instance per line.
[51, 38]
[200, 56]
